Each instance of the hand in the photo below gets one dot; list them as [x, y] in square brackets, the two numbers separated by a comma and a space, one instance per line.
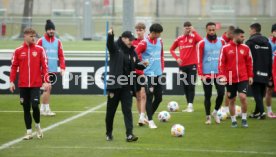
[203, 78]
[62, 71]
[46, 86]
[250, 80]
[146, 63]
[12, 87]
[110, 31]
[179, 61]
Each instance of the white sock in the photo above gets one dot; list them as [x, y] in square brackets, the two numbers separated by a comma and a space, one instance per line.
[142, 115]
[233, 118]
[47, 107]
[215, 111]
[37, 125]
[42, 107]
[244, 115]
[29, 131]
[269, 109]
[190, 105]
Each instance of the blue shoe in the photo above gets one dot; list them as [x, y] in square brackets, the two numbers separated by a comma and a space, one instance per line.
[234, 124]
[244, 123]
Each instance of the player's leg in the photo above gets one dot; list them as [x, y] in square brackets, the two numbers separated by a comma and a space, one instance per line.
[257, 91]
[149, 103]
[126, 102]
[207, 88]
[45, 106]
[268, 100]
[35, 95]
[232, 93]
[113, 98]
[25, 102]
[242, 89]
[220, 94]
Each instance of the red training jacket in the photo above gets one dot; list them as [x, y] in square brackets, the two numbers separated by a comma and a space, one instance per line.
[236, 62]
[187, 48]
[135, 44]
[32, 63]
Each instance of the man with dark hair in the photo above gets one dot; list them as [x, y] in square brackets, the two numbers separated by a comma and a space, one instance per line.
[208, 56]
[31, 62]
[262, 64]
[54, 52]
[140, 29]
[151, 49]
[187, 61]
[237, 77]
[121, 85]
[271, 84]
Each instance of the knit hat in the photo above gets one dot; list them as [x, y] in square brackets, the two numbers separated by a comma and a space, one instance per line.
[273, 28]
[49, 25]
[128, 34]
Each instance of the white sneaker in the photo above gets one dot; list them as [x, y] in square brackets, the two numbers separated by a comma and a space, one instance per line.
[152, 124]
[43, 113]
[216, 117]
[39, 133]
[208, 120]
[28, 137]
[50, 113]
[142, 121]
[188, 109]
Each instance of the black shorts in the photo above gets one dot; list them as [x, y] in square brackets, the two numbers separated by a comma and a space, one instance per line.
[140, 82]
[241, 87]
[29, 95]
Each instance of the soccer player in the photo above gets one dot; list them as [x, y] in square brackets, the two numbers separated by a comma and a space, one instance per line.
[31, 62]
[208, 56]
[54, 52]
[140, 85]
[269, 90]
[151, 49]
[262, 67]
[122, 63]
[236, 66]
[187, 61]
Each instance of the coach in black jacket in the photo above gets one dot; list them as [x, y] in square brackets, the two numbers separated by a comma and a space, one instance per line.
[121, 85]
[262, 67]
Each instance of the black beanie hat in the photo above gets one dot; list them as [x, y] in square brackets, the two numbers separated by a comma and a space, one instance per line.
[273, 28]
[49, 25]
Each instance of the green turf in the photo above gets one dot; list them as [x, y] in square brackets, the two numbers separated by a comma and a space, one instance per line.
[85, 136]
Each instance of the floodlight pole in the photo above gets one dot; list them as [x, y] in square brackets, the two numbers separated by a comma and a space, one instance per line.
[87, 20]
[128, 15]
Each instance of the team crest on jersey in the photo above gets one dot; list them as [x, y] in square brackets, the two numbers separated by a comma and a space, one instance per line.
[242, 52]
[190, 40]
[34, 53]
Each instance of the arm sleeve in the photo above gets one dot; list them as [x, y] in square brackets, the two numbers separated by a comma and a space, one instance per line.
[110, 43]
[162, 57]
[249, 64]
[39, 42]
[44, 66]
[61, 55]
[222, 61]
[14, 67]
[172, 49]
[200, 51]
[141, 48]
[198, 38]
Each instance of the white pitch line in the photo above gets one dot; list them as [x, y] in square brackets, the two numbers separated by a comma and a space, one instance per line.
[163, 149]
[13, 142]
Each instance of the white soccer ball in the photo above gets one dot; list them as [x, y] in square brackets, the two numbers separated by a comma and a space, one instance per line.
[222, 115]
[177, 130]
[173, 106]
[238, 110]
[164, 116]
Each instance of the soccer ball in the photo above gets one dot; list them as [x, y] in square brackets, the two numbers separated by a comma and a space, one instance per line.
[173, 106]
[177, 130]
[164, 116]
[238, 110]
[222, 115]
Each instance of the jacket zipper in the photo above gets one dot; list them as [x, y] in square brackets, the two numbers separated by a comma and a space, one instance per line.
[237, 63]
[29, 66]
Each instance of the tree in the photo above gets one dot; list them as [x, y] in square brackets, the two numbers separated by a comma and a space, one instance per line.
[27, 15]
